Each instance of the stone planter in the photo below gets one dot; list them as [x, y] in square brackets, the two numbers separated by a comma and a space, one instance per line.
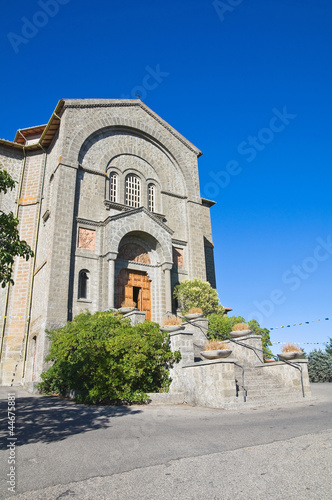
[189, 317]
[216, 354]
[125, 310]
[287, 356]
[240, 333]
[171, 328]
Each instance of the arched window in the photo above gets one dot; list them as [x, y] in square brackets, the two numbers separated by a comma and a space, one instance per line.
[152, 197]
[83, 284]
[133, 191]
[113, 187]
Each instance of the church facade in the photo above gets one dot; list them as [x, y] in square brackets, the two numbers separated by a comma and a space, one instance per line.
[108, 198]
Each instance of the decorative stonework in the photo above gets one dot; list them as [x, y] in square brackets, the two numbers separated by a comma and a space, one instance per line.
[135, 253]
[86, 238]
[178, 257]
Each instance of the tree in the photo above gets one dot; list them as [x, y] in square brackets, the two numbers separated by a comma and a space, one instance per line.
[328, 347]
[320, 366]
[106, 359]
[198, 293]
[10, 244]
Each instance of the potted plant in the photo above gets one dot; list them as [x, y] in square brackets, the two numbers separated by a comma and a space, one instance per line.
[290, 351]
[126, 306]
[240, 330]
[171, 324]
[194, 313]
[215, 349]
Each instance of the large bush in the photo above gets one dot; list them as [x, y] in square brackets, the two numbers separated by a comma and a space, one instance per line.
[106, 359]
[198, 293]
[320, 366]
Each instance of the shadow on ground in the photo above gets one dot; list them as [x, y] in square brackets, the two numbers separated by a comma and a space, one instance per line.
[47, 419]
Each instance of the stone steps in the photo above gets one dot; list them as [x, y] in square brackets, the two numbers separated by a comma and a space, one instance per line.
[263, 390]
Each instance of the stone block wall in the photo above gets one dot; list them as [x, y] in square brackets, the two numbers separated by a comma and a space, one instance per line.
[244, 355]
[18, 310]
[210, 383]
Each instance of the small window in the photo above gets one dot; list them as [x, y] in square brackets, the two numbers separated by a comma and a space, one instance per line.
[133, 191]
[152, 197]
[83, 285]
[113, 187]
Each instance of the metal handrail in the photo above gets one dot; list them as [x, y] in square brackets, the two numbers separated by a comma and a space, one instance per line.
[243, 388]
[294, 365]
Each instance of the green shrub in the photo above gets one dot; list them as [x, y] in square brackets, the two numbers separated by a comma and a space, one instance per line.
[320, 366]
[221, 326]
[106, 359]
[198, 293]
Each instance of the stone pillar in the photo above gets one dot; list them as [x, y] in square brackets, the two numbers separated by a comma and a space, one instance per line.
[168, 286]
[111, 281]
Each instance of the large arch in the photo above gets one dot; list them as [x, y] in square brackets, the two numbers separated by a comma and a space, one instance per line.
[114, 143]
[159, 135]
[139, 275]
[140, 221]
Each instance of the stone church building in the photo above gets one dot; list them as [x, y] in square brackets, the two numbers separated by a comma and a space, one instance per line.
[108, 198]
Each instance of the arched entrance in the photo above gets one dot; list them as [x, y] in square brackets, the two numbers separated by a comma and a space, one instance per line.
[134, 285]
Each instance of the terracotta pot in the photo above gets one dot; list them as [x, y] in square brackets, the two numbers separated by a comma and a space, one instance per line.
[216, 354]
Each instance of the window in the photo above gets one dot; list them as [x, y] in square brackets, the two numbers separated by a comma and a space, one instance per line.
[133, 191]
[113, 187]
[152, 197]
[83, 284]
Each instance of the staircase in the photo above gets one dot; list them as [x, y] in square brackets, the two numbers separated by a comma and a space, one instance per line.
[262, 390]
[218, 383]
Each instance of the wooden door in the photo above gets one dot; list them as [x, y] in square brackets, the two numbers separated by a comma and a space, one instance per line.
[128, 282]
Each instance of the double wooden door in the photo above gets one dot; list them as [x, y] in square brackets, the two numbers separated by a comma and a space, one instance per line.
[134, 285]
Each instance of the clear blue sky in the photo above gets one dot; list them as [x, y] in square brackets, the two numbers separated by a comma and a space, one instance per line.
[249, 84]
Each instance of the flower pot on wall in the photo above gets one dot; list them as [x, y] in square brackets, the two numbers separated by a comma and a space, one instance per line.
[171, 328]
[125, 310]
[216, 354]
[287, 356]
[240, 333]
[192, 316]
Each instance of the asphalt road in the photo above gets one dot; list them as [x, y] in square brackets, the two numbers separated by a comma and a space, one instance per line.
[64, 450]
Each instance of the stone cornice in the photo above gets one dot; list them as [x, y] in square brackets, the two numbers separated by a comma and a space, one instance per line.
[179, 242]
[181, 196]
[91, 171]
[155, 217]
